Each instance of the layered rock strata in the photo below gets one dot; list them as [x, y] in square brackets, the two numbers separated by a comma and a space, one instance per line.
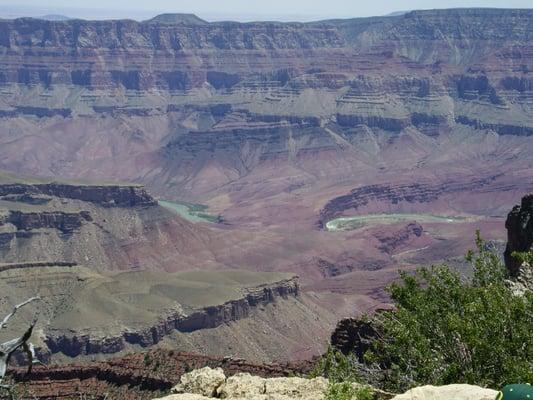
[139, 376]
[75, 344]
[106, 196]
[189, 108]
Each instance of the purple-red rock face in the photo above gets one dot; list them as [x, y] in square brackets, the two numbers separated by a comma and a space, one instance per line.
[279, 128]
[196, 109]
[519, 226]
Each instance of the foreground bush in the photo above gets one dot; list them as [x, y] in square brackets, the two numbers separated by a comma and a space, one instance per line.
[447, 329]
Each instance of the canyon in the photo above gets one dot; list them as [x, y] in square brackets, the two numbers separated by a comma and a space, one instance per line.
[277, 129]
[152, 373]
[69, 243]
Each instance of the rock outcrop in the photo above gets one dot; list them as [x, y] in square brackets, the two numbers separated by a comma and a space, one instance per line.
[199, 385]
[106, 195]
[27, 221]
[138, 376]
[416, 193]
[449, 392]
[204, 382]
[353, 336]
[391, 241]
[75, 343]
[370, 81]
[519, 226]
[207, 383]
[102, 226]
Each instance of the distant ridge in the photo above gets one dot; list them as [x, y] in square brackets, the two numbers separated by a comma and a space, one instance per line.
[54, 17]
[397, 13]
[171, 19]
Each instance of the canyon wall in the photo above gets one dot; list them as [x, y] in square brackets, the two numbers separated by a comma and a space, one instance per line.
[74, 344]
[106, 195]
[197, 110]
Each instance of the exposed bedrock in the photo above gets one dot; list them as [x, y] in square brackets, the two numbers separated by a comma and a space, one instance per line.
[79, 343]
[410, 193]
[135, 376]
[519, 226]
[390, 241]
[353, 336]
[64, 222]
[162, 51]
[502, 129]
[191, 108]
[107, 196]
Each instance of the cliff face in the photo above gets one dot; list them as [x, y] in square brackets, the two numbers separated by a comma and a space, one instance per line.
[188, 107]
[161, 54]
[278, 128]
[105, 227]
[75, 344]
[519, 226]
[107, 196]
[64, 222]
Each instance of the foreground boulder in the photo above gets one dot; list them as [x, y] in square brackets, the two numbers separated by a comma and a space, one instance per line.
[204, 382]
[207, 383]
[449, 392]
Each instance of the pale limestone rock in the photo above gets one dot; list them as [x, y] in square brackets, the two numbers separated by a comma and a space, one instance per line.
[242, 385]
[265, 397]
[449, 392]
[184, 396]
[203, 381]
[297, 388]
[201, 385]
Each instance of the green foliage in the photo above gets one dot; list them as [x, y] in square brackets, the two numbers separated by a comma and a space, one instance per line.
[447, 330]
[337, 367]
[147, 359]
[342, 373]
[523, 257]
[346, 391]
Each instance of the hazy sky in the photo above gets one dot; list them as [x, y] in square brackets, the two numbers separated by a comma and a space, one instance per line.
[239, 9]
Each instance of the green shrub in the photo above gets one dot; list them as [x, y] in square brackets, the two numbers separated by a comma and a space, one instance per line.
[346, 391]
[337, 367]
[445, 329]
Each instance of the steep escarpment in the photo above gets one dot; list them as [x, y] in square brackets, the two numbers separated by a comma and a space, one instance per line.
[103, 226]
[107, 196]
[193, 109]
[252, 315]
[397, 194]
[74, 344]
[276, 127]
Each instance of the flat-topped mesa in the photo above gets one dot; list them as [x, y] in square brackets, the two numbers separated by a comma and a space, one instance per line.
[76, 44]
[519, 226]
[79, 343]
[171, 19]
[103, 195]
